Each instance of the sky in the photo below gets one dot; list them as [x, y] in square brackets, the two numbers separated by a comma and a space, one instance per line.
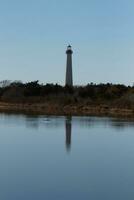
[34, 35]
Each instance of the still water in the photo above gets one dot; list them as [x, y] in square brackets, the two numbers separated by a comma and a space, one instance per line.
[66, 158]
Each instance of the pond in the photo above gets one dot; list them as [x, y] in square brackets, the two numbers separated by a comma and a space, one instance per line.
[66, 158]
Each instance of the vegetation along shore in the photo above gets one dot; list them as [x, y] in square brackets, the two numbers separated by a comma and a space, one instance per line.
[92, 99]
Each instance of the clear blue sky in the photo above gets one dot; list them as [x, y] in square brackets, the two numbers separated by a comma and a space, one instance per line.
[34, 35]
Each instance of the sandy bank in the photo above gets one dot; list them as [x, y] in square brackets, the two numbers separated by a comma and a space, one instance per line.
[55, 109]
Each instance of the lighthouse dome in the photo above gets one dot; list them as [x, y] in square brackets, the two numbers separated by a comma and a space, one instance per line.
[69, 50]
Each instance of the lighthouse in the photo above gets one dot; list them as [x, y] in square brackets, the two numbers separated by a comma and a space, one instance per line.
[69, 75]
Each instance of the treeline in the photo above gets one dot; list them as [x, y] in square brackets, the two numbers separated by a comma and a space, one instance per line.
[90, 94]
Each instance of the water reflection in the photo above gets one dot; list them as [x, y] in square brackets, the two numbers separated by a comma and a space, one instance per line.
[36, 121]
[32, 121]
[68, 127]
[64, 123]
[36, 151]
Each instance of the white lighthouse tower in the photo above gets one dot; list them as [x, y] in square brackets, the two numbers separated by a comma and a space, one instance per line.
[69, 75]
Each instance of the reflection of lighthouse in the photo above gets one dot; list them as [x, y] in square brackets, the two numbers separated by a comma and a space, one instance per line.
[68, 132]
[69, 76]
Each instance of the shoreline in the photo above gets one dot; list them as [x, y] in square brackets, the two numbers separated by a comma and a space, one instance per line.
[59, 110]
